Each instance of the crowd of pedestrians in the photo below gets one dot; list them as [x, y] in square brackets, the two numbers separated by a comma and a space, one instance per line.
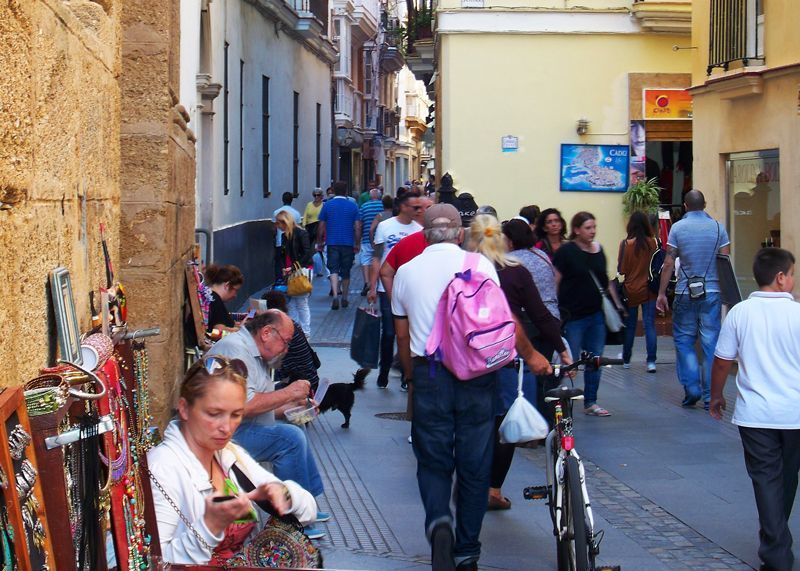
[555, 284]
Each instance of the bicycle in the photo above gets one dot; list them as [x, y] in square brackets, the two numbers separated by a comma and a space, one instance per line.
[567, 497]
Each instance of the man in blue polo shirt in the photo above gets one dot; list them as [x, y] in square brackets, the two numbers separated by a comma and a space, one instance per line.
[339, 229]
[696, 311]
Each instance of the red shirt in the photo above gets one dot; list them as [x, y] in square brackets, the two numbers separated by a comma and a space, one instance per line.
[407, 249]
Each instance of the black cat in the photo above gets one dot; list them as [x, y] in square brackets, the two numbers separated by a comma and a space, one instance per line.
[341, 396]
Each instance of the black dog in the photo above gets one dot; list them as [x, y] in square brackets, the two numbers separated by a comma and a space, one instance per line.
[341, 397]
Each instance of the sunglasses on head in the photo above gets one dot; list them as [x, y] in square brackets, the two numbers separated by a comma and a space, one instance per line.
[217, 365]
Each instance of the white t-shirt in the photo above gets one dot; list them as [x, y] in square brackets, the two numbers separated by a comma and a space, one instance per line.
[762, 333]
[419, 285]
[389, 233]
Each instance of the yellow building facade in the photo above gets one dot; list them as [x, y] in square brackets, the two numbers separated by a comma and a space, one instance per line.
[514, 79]
[746, 92]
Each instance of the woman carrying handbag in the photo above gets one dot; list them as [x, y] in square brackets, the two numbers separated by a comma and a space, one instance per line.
[297, 261]
[634, 264]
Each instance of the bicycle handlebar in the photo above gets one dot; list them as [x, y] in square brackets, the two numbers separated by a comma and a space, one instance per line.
[589, 360]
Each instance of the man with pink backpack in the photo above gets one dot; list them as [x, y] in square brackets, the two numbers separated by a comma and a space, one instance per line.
[454, 331]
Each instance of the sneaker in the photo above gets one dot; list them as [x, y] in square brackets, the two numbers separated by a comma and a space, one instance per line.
[323, 516]
[404, 386]
[383, 381]
[626, 365]
[690, 399]
[471, 565]
[335, 303]
[410, 440]
[651, 367]
[442, 548]
[706, 405]
[365, 290]
[314, 533]
[345, 304]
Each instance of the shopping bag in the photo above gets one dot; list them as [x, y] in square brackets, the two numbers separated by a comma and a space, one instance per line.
[523, 422]
[298, 283]
[365, 342]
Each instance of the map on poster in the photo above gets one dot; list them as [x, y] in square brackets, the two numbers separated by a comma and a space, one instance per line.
[594, 168]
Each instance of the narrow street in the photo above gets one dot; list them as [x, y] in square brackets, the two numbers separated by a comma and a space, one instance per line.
[668, 485]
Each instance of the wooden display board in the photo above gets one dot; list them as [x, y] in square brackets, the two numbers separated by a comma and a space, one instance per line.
[28, 556]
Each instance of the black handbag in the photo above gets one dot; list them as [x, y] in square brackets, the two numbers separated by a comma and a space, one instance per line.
[365, 342]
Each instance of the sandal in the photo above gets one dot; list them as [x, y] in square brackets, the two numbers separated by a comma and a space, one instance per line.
[496, 503]
[596, 410]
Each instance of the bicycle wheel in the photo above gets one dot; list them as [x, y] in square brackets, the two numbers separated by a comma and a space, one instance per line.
[573, 549]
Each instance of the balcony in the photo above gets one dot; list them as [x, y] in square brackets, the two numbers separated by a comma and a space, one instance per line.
[343, 104]
[736, 36]
[392, 59]
[420, 43]
[365, 20]
[674, 17]
[358, 110]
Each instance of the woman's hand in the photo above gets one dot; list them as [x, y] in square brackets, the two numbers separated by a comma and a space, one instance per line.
[275, 493]
[566, 359]
[219, 515]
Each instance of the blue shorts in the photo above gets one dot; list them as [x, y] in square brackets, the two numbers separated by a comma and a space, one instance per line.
[340, 260]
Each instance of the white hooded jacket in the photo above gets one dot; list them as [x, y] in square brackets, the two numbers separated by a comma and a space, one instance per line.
[185, 480]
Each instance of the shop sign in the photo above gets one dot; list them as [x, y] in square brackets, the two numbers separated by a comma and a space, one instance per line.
[666, 104]
[595, 168]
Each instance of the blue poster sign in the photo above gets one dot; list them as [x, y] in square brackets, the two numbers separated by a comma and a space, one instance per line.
[594, 168]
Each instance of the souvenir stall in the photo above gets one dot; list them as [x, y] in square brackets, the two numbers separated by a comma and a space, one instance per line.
[74, 493]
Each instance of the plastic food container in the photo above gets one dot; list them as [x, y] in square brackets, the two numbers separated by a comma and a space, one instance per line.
[301, 414]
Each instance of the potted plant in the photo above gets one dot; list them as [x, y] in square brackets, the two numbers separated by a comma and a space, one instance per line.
[643, 195]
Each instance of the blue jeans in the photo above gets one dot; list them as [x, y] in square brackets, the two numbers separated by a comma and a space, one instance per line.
[649, 322]
[387, 333]
[453, 430]
[286, 446]
[587, 334]
[690, 320]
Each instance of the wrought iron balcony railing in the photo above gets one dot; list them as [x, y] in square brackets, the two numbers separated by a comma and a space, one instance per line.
[734, 34]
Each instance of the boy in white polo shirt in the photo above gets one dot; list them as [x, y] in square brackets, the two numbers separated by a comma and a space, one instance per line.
[763, 335]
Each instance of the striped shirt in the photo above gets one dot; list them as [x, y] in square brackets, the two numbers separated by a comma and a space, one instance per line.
[698, 238]
[369, 210]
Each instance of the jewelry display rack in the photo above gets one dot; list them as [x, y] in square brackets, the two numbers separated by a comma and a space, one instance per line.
[22, 493]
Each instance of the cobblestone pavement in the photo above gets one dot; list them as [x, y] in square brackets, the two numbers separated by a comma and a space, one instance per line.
[653, 472]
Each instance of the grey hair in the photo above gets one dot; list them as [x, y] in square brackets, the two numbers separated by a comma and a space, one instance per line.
[269, 318]
[442, 234]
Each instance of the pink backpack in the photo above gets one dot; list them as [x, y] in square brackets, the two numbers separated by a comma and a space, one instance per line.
[473, 331]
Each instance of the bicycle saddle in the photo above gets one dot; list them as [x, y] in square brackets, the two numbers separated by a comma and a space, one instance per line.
[563, 392]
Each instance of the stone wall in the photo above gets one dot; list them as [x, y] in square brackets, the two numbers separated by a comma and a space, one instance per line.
[59, 164]
[157, 184]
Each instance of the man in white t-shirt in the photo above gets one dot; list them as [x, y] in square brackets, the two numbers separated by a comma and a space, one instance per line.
[387, 235]
[763, 335]
[453, 422]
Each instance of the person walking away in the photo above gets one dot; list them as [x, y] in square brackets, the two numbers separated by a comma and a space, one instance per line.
[311, 223]
[486, 237]
[225, 283]
[551, 231]
[340, 231]
[580, 262]
[633, 262]
[454, 420]
[297, 251]
[366, 214]
[521, 238]
[762, 334]
[696, 313]
[387, 235]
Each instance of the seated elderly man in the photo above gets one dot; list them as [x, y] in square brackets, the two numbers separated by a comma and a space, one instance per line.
[261, 344]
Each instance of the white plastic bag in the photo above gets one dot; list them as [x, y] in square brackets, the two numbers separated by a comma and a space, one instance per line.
[523, 422]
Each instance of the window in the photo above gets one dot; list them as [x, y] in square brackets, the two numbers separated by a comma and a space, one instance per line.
[265, 136]
[754, 200]
[225, 125]
[319, 146]
[296, 145]
[368, 72]
[737, 33]
[241, 127]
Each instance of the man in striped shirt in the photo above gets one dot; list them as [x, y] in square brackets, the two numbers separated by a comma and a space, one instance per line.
[367, 212]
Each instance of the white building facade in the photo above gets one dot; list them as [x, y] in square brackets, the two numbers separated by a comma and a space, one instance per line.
[256, 79]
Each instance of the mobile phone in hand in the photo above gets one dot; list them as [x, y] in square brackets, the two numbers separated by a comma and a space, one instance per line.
[220, 499]
[250, 315]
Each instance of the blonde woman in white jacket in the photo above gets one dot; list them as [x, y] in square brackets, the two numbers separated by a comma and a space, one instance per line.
[192, 467]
